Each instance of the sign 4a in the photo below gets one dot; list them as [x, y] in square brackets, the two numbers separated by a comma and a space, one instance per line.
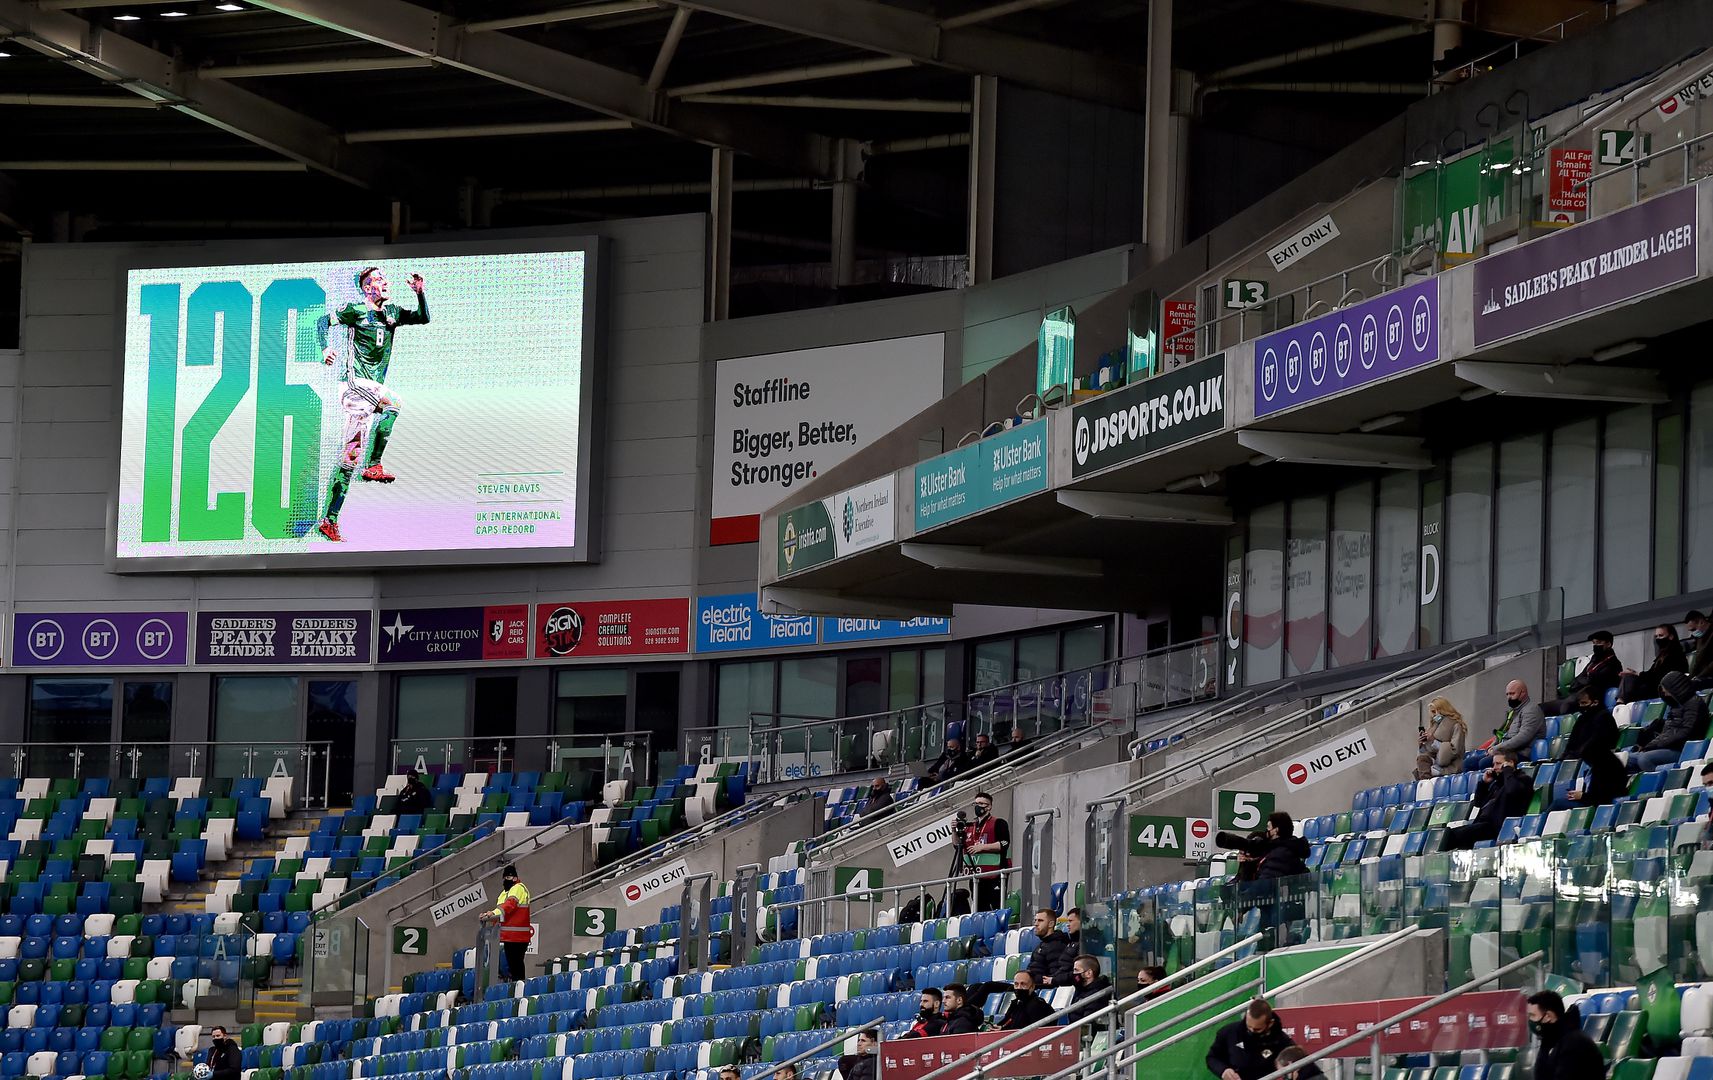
[1156, 836]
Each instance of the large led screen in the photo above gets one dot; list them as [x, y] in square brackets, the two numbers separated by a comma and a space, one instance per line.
[402, 409]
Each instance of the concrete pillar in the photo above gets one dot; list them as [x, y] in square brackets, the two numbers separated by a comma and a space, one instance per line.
[1447, 28]
[720, 236]
[844, 214]
[1162, 193]
[984, 119]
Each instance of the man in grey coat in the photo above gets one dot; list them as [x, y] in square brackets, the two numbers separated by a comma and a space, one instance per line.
[1524, 721]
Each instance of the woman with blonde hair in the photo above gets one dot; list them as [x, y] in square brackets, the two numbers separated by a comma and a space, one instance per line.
[1441, 741]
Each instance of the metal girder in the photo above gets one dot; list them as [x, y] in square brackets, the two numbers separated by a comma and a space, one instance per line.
[563, 76]
[1364, 451]
[1126, 506]
[157, 77]
[1615, 384]
[977, 560]
[894, 31]
[1398, 9]
[788, 601]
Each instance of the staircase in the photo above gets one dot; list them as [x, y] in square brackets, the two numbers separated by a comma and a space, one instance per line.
[189, 899]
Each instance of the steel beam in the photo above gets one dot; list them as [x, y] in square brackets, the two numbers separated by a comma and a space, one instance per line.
[1125, 506]
[1397, 9]
[1581, 383]
[418, 31]
[777, 600]
[487, 131]
[1363, 451]
[894, 31]
[157, 77]
[976, 560]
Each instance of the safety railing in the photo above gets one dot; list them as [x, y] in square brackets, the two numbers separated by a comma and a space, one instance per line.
[812, 911]
[1161, 678]
[307, 763]
[1581, 22]
[1695, 166]
[1246, 701]
[623, 756]
[791, 746]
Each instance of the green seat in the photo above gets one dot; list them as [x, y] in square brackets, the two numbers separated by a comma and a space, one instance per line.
[31, 970]
[61, 899]
[1624, 1038]
[71, 1015]
[113, 1039]
[148, 993]
[129, 924]
[251, 1035]
[24, 869]
[63, 970]
[222, 808]
[141, 1038]
[1634, 1069]
[6, 989]
[125, 898]
[140, 1064]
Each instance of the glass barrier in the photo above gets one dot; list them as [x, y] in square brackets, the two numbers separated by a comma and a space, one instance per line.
[127, 765]
[588, 761]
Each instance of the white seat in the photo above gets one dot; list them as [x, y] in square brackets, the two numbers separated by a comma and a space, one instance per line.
[1696, 1017]
[34, 787]
[187, 1039]
[102, 847]
[125, 992]
[99, 924]
[278, 792]
[615, 792]
[275, 1034]
[186, 787]
[26, 829]
[295, 847]
[218, 834]
[393, 784]
[152, 876]
[1672, 1068]
[1656, 810]
[42, 1063]
[404, 846]
[315, 868]
[381, 825]
[516, 819]
[101, 810]
[1698, 1046]
[160, 967]
[119, 946]
[195, 989]
[9, 947]
[227, 922]
[261, 945]
[21, 1016]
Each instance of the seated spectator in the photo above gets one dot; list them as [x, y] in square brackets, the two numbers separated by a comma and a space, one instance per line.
[1026, 1006]
[1085, 973]
[730, 1072]
[879, 801]
[1442, 741]
[1289, 1056]
[1594, 742]
[1707, 830]
[1051, 960]
[1073, 932]
[1018, 742]
[985, 753]
[963, 1017]
[1503, 792]
[415, 798]
[1247, 1049]
[860, 1065]
[1599, 674]
[1668, 657]
[950, 763]
[785, 1072]
[1152, 975]
[1566, 1053]
[928, 1022]
[1285, 853]
[1525, 722]
[1701, 660]
[1685, 718]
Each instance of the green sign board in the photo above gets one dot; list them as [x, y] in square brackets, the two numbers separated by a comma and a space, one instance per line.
[1243, 293]
[855, 881]
[855, 519]
[1462, 196]
[593, 921]
[410, 941]
[982, 475]
[1244, 811]
[1154, 836]
[1622, 147]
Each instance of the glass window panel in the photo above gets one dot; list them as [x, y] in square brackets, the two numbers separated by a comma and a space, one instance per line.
[1305, 587]
[432, 711]
[809, 686]
[744, 689]
[1085, 646]
[1469, 544]
[333, 720]
[1570, 515]
[1352, 552]
[933, 675]
[1520, 491]
[903, 685]
[1397, 552]
[1668, 506]
[992, 664]
[1626, 519]
[1037, 656]
[590, 701]
[1263, 595]
[69, 712]
[146, 719]
[246, 706]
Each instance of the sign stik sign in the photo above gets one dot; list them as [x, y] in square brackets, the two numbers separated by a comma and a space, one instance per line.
[1372, 340]
[1595, 265]
[655, 883]
[454, 635]
[1303, 243]
[612, 628]
[782, 419]
[982, 475]
[444, 911]
[1150, 415]
[1327, 759]
[907, 849]
[99, 638]
[282, 637]
[854, 520]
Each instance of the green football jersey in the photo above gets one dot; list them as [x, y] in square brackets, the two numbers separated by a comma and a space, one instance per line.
[372, 334]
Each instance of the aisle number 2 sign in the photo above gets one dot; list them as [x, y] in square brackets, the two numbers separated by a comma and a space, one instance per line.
[1155, 836]
[410, 941]
[593, 921]
[1244, 811]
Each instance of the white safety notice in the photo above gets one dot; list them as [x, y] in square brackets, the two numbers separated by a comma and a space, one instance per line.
[1327, 759]
[657, 882]
[444, 911]
[1304, 242]
[907, 849]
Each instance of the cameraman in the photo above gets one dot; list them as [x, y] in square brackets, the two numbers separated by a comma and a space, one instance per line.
[986, 849]
[1278, 854]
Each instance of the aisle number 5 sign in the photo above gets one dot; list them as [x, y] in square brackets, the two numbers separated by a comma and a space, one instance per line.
[1242, 810]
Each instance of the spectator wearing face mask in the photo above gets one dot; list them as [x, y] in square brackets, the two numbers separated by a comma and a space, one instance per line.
[1701, 659]
[1442, 741]
[1026, 1005]
[1525, 722]
[1707, 829]
[1599, 675]
[1085, 973]
[1503, 792]
[987, 845]
[879, 801]
[928, 1021]
[1566, 1053]
[1248, 1049]
[1668, 657]
[1685, 718]
[985, 753]
[1594, 742]
[950, 763]
[1152, 976]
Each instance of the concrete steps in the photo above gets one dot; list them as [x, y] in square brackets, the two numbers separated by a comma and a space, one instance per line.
[191, 898]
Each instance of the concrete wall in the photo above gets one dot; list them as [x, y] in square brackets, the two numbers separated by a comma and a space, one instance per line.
[1411, 967]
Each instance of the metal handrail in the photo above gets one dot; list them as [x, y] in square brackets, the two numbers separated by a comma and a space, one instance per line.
[1248, 699]
[1444, 661]
[1380, 1026]
[1632, 166]
[1050, 1020]
[569, 889]
[500, 744]
[537, 838]
[792, 1062]
[1472, 68]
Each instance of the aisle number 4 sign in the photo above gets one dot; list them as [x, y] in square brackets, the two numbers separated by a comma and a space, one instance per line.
[856, 881]
[593, 921]
[1154, 836]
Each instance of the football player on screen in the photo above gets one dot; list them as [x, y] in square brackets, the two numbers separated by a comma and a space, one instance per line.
[370, 408]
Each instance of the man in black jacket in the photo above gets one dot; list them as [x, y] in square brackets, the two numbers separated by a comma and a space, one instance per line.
[1594, 742]
[224, 1057]
[1685, 718]
[950, 763]
[1248, 1049]
[1603, 672]
[1085, 972]
[1701, 641]
[1050, 963]
[1503, 792]
[879, 801]
[964, 1017]
[860, 1065]
[415, 798]
[1026, 1006]
[928, 1022]
[1285, 852]
[1566, 1053]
